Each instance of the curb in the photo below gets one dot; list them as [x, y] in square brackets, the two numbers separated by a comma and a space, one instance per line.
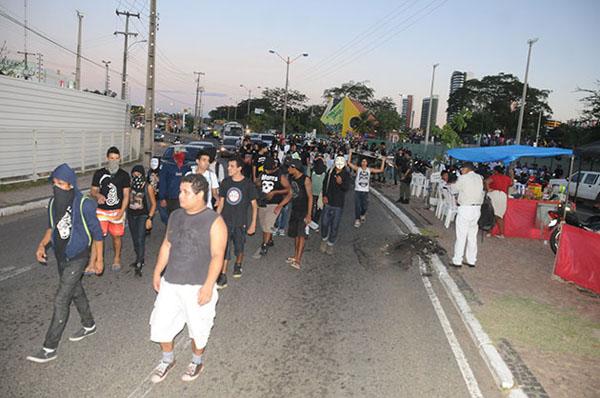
[500, 371]
[33, 205]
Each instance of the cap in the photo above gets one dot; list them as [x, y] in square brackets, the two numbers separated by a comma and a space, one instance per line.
[295, 163]
[269, 164]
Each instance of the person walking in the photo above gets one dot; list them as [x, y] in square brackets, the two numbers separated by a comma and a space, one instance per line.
[203, 160]
[405, 173]
[142, 206]
[236, 194]
[110, 188]
[362, 187]
[335, 186]
[170, 176]
[319, 171]
[300, 215]
[191, 257]
[274, 193]
[497, 186]
[72, 228]
[470, 197]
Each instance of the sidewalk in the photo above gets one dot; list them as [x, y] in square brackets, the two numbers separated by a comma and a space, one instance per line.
[546, 330]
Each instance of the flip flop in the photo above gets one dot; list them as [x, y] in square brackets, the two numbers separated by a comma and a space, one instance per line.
[290, 260]
[294, 265]
[116, 267]
[89, 273]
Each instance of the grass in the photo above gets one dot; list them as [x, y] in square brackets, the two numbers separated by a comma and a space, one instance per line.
[541, 326]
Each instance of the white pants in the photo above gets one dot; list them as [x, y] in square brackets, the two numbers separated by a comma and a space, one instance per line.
[466, 233]
[176, 306]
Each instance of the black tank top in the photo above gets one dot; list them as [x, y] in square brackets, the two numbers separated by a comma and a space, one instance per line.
[299, 194]
[271, 182]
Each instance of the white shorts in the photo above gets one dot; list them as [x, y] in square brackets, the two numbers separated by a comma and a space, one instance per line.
[177, 306]
[499, 202]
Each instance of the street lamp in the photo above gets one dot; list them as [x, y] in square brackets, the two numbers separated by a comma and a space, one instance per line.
[427, 129]
[287, 80]
[249, 98]
[136, 42]
[522, 111]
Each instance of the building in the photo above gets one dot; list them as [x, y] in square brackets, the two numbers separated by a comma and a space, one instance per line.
[407, 110]
[457, 80]
[425, 111]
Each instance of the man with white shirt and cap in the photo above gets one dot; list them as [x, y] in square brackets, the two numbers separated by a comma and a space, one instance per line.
[470, 197]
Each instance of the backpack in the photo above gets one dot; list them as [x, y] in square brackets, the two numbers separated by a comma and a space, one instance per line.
[487, 220]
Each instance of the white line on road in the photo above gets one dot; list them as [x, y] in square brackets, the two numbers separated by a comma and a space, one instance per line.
[10, 272]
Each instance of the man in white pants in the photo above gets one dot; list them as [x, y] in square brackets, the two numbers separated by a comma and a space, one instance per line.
[191, 257]
[470, 197]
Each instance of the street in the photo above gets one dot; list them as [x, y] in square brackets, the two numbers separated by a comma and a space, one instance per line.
[353, 324]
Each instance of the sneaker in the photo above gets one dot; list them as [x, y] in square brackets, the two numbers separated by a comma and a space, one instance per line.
[138, 269]
[192, 372]
[281, 232]
[83, 333]
[42, 356]
[160, 372]
[323, 247]
[314, 225]
[363, 218]
[356, 223]
[237, 270]
[222, 281]
[329, 250]
[264, 248]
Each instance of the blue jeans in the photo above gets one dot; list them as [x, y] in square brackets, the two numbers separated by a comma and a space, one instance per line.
[137, 227]
[69, 290]
[361, 202]
[282, 219]
[330, 222]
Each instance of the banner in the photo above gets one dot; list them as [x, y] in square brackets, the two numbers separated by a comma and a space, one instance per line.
[578, 257]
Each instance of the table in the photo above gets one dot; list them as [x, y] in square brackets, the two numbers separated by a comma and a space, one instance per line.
[520, 219]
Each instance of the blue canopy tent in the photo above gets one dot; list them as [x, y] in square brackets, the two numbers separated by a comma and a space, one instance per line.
[505, 154]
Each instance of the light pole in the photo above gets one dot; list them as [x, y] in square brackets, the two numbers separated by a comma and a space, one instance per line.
[427, 129]
[196, 104]
[106, 63]
[249, 98]
[537, 134]
[522, 111]
[287, 81]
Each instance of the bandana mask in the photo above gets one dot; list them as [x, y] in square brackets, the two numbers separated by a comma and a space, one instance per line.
[340, 162]
[137, 183]
[113, 166]
[179, 157]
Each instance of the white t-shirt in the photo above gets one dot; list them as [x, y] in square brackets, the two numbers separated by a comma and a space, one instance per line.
[213, 167]
[363, 179]
[470, 189]
[213, 183]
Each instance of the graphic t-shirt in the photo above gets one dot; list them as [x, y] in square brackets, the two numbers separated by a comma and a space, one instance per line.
[111, 186]
[62, 232]
[363, 177]
[271, 182]
[238, 195]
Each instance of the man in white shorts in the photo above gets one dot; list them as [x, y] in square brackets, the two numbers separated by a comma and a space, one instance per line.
[191, 256]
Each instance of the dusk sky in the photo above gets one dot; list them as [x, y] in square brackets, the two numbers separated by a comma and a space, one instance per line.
[392, 44]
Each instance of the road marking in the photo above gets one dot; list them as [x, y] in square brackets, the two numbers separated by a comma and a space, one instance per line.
[10, 272]
[146, 384]
[459, 355]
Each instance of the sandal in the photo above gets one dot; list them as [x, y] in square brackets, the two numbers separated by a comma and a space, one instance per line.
[116, 267]
[290, 260]
[295, 265]
[89, 273]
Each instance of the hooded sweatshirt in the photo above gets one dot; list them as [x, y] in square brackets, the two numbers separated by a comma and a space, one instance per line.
[335, 192]
[85, 226]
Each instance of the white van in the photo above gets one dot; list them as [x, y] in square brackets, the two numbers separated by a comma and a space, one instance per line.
[589, 185]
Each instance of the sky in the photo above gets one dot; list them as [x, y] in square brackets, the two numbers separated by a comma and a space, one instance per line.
[391, 45]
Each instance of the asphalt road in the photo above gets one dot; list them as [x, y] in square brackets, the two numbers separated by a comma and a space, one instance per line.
[352, 324]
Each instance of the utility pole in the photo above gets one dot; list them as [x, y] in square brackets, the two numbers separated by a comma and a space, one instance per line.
[150, 77]
[198, 74]
[107, 79]
[78, 61]
[537, 134]
[40, 58]
[25, 54]
[200, 106]
[430, 106]
[524, 96]
[126, 34]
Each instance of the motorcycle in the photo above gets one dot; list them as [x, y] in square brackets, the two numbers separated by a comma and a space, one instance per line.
[565, 214]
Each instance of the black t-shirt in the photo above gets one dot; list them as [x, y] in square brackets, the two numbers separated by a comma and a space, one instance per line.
[62, 232]
[238, 195]
[247, 170]
[271, 182]
[111, 186]
[138, 202]
[299, 195]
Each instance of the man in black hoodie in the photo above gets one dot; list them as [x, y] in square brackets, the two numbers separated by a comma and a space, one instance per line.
[72, 228]
[335, 186]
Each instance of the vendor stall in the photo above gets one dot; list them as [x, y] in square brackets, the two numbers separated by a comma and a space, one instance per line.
[578, 257]
[525, 218]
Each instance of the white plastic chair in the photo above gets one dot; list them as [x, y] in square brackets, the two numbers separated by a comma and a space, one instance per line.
[450, 208]
[439, 209]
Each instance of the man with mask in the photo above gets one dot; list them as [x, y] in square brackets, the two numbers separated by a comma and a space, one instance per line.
[72, 228]
[170, 177]
[154, 179]
[335, 186]
[110, 188]
[274, 193]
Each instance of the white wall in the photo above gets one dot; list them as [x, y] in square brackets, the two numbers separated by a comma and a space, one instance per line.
[42, 127]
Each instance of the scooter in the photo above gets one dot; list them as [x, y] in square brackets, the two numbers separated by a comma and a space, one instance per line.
[565, 213]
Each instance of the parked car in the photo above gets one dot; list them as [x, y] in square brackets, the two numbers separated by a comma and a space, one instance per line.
[230, 146]
[159, 136]
[589, 185]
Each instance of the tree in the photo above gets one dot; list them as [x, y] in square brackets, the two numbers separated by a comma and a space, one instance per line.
[591, 101]
[358, 91]
[447, 136]
[491, 101]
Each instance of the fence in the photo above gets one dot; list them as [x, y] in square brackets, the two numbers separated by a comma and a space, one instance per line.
[43, 126]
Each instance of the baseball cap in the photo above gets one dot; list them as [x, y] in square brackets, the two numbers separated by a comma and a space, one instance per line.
[295, 163]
